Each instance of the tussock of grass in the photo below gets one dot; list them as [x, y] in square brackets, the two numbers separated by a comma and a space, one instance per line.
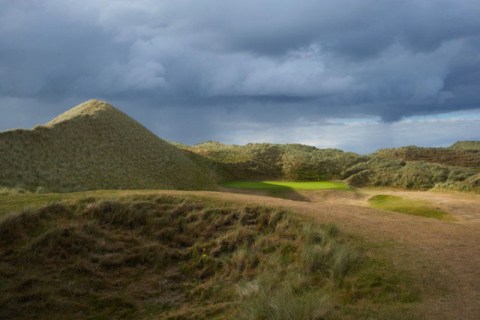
[408, 206]
[175, 258]
[265, 299]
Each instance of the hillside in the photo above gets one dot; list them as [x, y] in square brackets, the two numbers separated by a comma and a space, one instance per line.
[96, 146]
[409, 167]
[416, 175]
[458, 156]
[466, 145]
[278, 161]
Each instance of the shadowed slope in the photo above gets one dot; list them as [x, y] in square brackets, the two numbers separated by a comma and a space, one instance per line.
[169, 257]
[268, 161]
[95, 146]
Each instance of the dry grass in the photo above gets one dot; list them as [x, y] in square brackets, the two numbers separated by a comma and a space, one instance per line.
[177, 258]
[385, 172]
[456, 156]
[466, 145]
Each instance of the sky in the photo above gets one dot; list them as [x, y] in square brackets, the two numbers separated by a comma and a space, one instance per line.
[358, 75]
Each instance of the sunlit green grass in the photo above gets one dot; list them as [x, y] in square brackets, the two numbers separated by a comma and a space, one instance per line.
[408, 206]
[286, 185]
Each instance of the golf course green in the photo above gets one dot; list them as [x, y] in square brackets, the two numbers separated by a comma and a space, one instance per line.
[286, 185]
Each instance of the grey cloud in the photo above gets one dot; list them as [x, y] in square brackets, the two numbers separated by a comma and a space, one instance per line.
[270, 62]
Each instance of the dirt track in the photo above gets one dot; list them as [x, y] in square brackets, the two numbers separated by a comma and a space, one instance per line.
[445, 255]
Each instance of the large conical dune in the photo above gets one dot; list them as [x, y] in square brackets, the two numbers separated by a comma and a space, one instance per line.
[95, 146]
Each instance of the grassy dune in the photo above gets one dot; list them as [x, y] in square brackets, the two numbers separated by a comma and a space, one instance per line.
[466, 145]
[95, 146]
[409, 167]
[410, 175]
[267, 161]
[408, 206]
[152, 257]
[456, 156]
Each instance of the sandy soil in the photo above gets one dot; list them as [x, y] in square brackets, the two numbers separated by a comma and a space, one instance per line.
[444, 255]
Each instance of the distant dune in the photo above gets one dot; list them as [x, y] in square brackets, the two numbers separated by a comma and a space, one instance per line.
[95, 146]
[456, 156]
[406, 167]
[466, 145]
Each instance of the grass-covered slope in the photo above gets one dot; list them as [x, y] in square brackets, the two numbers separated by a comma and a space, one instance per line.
[454, 168]
[95, 146]
[409, 167]
[158, 257]
[409, 175]
[459, 157]
[466, 145]
[260, 161]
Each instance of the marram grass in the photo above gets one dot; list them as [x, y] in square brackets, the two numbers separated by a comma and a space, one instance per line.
[167, 257]
[95, 146]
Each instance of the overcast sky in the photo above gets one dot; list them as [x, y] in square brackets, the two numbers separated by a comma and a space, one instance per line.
[352, 74]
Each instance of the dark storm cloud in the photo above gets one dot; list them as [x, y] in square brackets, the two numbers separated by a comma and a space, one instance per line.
[270, 61]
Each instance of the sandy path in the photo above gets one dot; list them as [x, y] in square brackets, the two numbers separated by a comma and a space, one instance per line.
[445, 255]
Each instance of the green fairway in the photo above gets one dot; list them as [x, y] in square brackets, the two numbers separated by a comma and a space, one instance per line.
[286, 185]
[408, 206]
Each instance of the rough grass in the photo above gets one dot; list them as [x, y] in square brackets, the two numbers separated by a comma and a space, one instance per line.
[448, 156]
[408, 206]
[277, 161]
[15, 201]
[408, 167]
[466, 145]
[95, 146]
[385, 172]
[153, 257]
